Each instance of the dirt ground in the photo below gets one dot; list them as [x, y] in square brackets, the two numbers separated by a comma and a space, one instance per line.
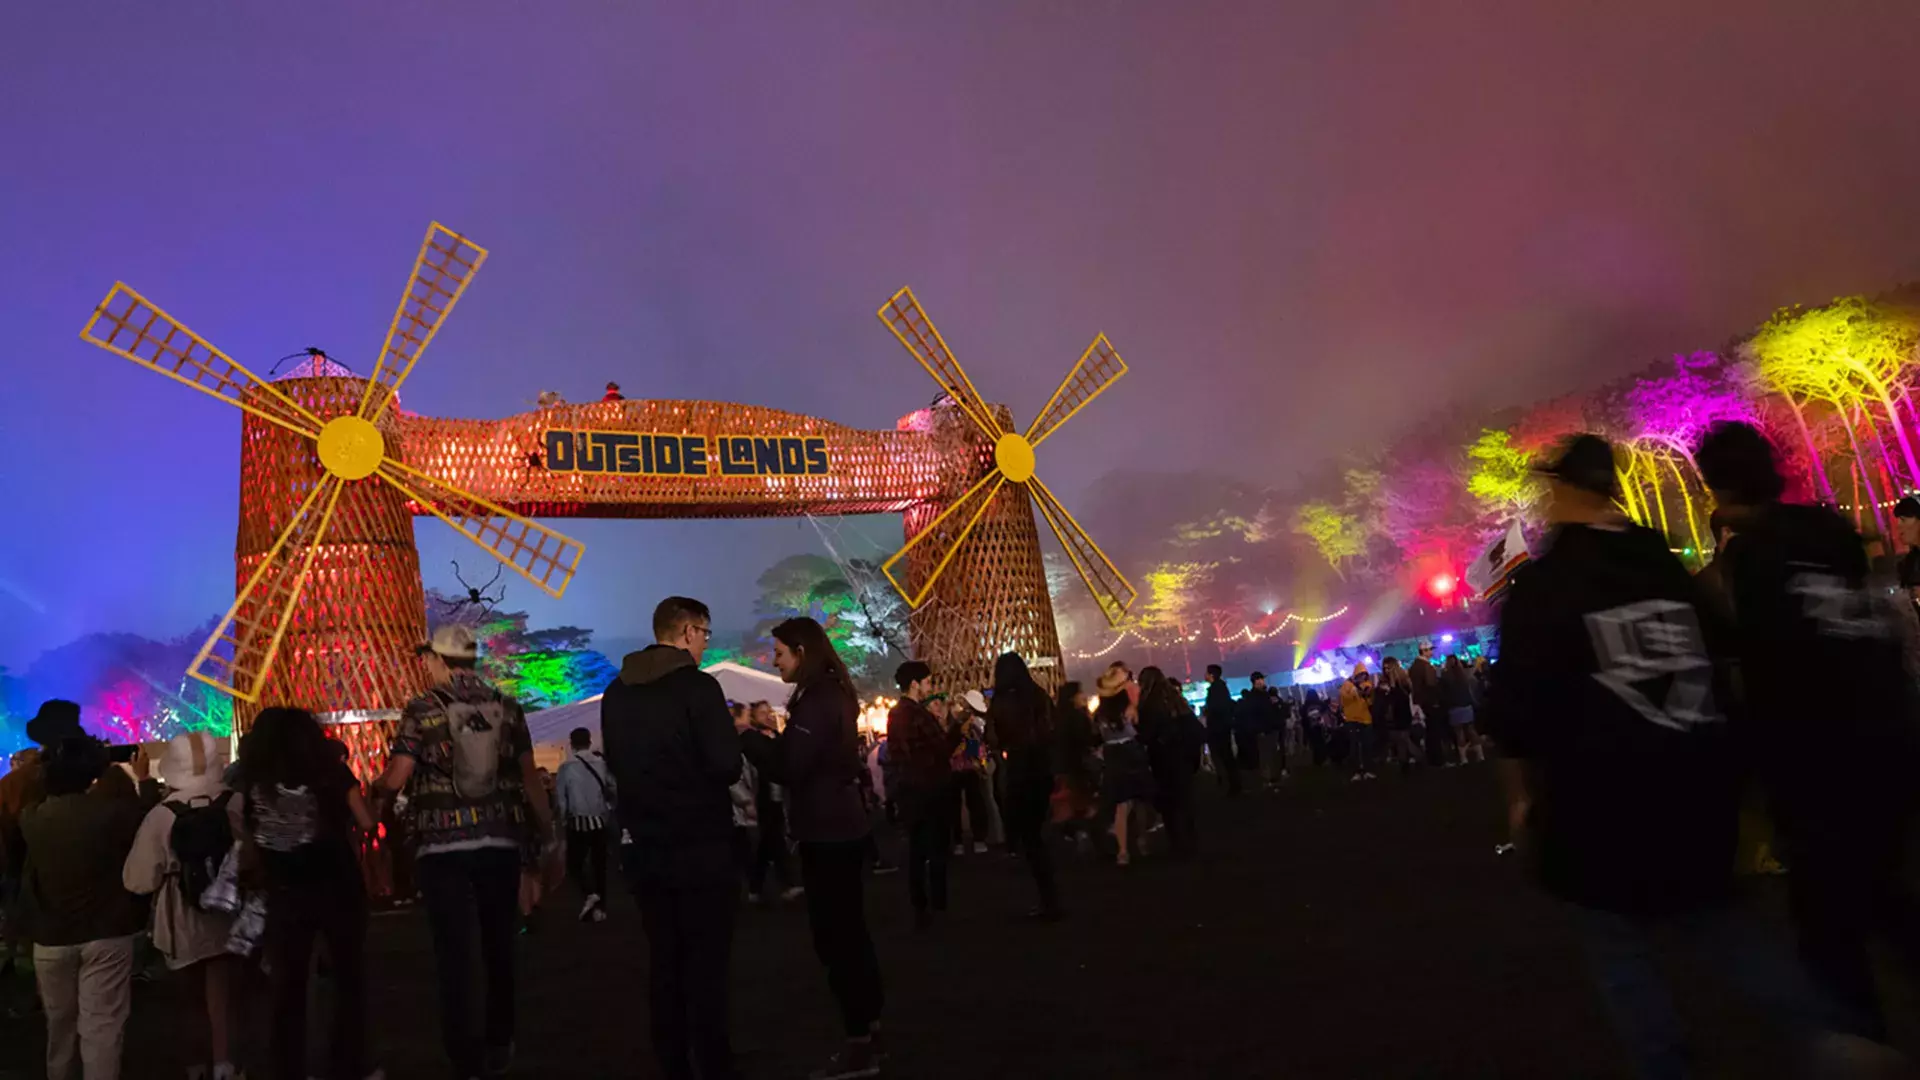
[1331, 930]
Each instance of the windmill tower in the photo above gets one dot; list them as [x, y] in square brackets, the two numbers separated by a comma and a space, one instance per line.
[991, 491]
[325, 553]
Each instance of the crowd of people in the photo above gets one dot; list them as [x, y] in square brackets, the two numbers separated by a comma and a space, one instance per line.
[1636, 710]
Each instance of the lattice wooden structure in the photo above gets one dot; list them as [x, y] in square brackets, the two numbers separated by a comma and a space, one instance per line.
[330, 606]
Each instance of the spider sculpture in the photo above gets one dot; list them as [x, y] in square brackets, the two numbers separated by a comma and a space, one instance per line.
[476, 599]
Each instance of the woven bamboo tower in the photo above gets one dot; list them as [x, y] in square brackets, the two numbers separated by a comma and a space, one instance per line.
[993, 597]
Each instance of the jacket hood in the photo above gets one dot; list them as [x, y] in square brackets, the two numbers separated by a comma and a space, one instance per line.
[653, 663]
[1625, 545]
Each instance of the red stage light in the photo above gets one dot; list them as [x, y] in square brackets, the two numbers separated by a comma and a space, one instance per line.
[1442, 585]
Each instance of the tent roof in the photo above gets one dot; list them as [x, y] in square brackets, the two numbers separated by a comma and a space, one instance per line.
[738, 681]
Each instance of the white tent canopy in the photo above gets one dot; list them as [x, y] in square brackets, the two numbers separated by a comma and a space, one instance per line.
[550, 727]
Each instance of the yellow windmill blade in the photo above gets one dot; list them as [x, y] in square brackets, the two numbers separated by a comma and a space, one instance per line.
[238, 656]
[446, 265]
[535, 552]
[1110, 588]
[128, 324]
[1098, 368]
[903, 316]
[939, 532]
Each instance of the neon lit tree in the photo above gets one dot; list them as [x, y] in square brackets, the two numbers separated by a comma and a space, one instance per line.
[1665, 419]
[1851, 355]
[1501, 478]
[1337, 534]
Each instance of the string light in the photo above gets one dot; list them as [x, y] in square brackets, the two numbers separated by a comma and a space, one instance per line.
[1246, 633]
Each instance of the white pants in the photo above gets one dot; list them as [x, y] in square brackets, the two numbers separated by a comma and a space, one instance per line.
[87, 991]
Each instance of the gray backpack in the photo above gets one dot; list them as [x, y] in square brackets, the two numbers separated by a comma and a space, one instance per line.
[476, 731]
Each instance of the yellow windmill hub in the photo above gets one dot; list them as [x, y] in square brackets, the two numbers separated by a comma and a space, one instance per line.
[351, 448]
[1014, 456]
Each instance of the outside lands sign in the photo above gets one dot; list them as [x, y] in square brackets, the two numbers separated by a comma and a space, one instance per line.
[628, 453]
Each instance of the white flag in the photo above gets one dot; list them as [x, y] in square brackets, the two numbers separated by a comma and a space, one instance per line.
[1502, 557]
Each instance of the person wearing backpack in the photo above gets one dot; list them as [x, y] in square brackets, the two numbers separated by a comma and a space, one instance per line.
[464, 758]
[586, 795]
[295, 810]
[176, 855]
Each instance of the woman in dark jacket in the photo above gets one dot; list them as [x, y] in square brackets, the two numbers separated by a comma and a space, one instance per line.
[1456, 696]
[817, 757]
[1020, 725]
[1173, 737]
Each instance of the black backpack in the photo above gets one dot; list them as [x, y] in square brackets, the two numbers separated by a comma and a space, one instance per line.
[201, 838]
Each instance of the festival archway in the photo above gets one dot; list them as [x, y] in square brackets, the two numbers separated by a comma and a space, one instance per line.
[330, 605]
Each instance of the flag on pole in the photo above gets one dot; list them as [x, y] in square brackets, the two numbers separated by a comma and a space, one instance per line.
[1488, 574]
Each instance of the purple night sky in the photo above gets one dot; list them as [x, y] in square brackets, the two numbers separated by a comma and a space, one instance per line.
[1304, 225]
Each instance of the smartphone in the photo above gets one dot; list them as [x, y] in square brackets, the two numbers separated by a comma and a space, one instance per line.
[121, 754]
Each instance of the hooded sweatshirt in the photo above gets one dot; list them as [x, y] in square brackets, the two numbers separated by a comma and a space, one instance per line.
[1608, 686]
[672, 750]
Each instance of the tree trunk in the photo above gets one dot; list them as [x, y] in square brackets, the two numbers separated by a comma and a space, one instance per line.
[1693, 525]
[1813, 452]
[1860, 476]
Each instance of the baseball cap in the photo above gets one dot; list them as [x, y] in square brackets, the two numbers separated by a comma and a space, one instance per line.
[1584, 461]
[976, 701]
[1908, 507]
[454, 642]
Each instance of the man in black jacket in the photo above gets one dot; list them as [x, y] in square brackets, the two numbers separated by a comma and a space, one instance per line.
[1261, 720]
[1609, 699]
[1832, 714]
[671, 746]
[1218, 711]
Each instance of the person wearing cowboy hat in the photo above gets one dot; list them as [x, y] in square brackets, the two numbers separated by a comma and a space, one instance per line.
[967, 787]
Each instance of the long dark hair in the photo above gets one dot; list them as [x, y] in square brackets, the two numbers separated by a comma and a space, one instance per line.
[1013, 683]
[820, 665]
[1157, 691]
[1063, 697]
[286, 748]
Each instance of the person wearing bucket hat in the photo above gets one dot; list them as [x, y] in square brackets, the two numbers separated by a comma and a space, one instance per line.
[56, 720]
[24, 785]
[192, 938]
[82, 921]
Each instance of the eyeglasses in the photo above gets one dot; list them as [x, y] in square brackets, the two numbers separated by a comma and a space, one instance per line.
[704, 631]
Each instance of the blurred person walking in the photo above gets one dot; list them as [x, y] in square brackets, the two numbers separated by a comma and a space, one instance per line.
[1812, 641]
[1623, 767]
